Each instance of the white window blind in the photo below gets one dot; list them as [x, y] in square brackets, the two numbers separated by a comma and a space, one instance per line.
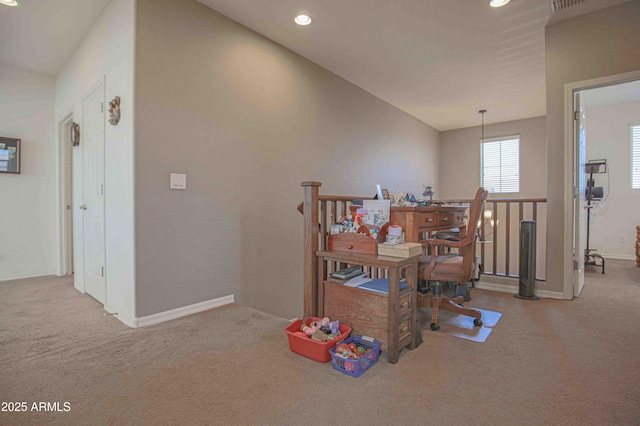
[500, 164]
[635, 157]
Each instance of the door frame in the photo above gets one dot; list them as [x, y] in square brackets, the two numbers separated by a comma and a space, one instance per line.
[72, 113]
[571, 148]
[64, 194]
[579, 187]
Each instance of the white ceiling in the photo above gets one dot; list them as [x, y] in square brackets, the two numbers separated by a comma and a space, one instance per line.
[41, 35]
[439, 60]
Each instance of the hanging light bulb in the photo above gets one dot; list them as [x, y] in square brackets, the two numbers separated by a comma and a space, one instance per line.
[482, 111]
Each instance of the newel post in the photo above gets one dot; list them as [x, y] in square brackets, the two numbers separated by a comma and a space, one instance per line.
[311, 230]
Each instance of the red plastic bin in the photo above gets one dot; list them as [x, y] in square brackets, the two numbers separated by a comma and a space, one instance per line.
[310, 348]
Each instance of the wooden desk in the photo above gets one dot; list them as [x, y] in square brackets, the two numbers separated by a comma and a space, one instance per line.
[418, 222]
[391, 318]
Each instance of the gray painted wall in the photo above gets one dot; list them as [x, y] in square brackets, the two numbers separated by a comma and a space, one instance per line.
[460, 150]
[247, 121]
[600, 44]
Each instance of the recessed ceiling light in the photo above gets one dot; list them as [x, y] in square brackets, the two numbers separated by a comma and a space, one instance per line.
[303, 20]
[498, 3]
[9, 2]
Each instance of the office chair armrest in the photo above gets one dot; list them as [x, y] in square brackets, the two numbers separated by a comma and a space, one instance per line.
[449, 243]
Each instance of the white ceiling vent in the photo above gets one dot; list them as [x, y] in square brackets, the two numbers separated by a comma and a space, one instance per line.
[567, 9]
[557, 5]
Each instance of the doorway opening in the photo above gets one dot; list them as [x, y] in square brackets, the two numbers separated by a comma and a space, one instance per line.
[603, 111]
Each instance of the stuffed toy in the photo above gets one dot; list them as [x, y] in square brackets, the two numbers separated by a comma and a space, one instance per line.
[334, 327]
[321, 336]
[310, 329]
[325, 325]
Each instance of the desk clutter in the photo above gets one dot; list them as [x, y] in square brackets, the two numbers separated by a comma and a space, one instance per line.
[346, 231]
[363, 282]
[387, 240]
[351, 355]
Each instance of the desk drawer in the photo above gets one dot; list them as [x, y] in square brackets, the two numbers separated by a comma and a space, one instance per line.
[405, 329]
[453, 219]
[355, 243]
[404, 304]
[427, 219]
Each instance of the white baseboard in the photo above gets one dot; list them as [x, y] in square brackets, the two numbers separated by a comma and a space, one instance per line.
[127, 320]
[31, 275]
[177, 313]
[618, 256]
[504, 285]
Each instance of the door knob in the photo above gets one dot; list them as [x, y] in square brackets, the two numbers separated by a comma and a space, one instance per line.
[83, 207]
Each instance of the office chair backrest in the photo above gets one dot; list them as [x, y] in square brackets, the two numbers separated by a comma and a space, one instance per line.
[475, 213]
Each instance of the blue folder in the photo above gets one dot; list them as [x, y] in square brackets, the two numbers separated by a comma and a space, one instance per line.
[381, 285]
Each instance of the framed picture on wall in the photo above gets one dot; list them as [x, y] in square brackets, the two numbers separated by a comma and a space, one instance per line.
[9, 155]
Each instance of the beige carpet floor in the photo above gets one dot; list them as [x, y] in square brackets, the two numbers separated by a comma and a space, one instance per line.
[548, 362]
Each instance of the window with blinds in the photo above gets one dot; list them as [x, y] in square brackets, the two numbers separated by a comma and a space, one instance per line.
[635, 157]
[500, 164]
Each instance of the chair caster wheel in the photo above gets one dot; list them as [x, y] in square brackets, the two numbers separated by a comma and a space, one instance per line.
[435, 327]
[477, 322]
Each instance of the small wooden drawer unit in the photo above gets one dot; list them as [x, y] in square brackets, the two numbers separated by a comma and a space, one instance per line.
[389, 318]
[352, 242]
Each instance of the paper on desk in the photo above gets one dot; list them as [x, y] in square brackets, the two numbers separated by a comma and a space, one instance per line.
[356, 281]
[378, 212]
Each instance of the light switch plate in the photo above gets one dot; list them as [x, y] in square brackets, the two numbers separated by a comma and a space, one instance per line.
[178, 181]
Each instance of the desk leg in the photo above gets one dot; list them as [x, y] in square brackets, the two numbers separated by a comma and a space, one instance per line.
[412, 281]
[392, 338]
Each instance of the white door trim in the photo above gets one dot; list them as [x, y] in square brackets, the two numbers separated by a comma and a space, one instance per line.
[63, 197]
[569, 158]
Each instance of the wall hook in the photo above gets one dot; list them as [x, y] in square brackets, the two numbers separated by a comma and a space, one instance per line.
[75, 134]
[114, 111]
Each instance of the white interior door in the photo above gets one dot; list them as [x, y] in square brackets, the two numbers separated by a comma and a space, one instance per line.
[92, 138]
[580, 230]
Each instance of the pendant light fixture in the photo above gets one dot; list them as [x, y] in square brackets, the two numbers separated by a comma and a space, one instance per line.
[482, 235]
[482, 111]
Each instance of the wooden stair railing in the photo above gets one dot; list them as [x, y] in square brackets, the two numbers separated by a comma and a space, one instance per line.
[500, 230]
